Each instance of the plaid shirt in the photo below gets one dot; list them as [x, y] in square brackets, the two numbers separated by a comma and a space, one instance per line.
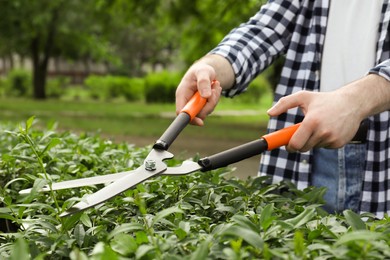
[296, 29]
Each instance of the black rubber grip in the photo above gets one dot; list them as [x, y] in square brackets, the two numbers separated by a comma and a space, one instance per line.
[233, 155]
[174, 129]
[361, 135]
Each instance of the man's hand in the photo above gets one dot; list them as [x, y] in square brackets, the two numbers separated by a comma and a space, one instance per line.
[330, 121]
[333, 118]
[199, 78]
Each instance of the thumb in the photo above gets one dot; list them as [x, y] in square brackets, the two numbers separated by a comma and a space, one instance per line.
[204, 75]
[204, 87]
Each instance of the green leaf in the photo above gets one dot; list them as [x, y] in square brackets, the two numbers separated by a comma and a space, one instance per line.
[143, 250]
[224, 208]
[79, 234]
[229, 253]
[124, 244]
[53, 142]
[108, 253]
[314, 234]
[125, 228]
[180, 233]
[29, 123]
[299, 243]
[141, 237]
[359, 235]
[38, 185]
[315, 195]
[5, 210]
[103, 251]
[354, 220]
[266, 218]
[20, 250]
[69, 222]
[244, 222]
[14, 180]
[246, 234]
[305, 216]
[86, 220]
[76, 254]
[29, 159]
[183, 230]
[201, 252]
[239, 186]
[162, 214]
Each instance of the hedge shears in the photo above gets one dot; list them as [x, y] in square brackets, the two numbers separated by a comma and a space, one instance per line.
[154, 164]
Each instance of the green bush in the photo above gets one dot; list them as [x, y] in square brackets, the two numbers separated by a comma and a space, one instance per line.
[198, 216]
[97, 88]
[134, 90]
[161, 87]
[55, 87]
[111, 87]
[3, 86]
[76, 92]
[19, 83]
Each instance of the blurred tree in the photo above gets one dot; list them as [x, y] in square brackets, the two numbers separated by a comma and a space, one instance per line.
[203, 23]
[149, 37]
[72, 29]
[123, 34]
[40, 29]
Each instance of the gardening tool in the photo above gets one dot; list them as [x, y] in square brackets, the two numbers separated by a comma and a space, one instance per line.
[154, 163]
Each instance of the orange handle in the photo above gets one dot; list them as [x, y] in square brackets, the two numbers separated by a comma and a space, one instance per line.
[193, 107]
[196, 103]
[281, 137]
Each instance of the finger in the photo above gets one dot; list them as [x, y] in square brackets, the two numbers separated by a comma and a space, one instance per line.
[197, 78]
[285, 103]
[212, 101]
[317, 139]
[310, 144]
[184, 92]
[197, 121]
[299, 140]
[204, 76]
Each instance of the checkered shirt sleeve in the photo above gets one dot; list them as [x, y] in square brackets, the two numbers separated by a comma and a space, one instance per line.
[253, 46]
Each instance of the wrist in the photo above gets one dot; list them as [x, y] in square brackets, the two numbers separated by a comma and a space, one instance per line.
[369, 95]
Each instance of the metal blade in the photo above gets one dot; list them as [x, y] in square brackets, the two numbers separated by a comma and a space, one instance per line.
[185, 168]
[81, 182]
[130, 180]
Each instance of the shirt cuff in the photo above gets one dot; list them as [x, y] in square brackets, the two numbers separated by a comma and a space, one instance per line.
[382, 69]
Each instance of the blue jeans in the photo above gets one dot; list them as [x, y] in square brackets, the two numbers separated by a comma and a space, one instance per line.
[341, 172]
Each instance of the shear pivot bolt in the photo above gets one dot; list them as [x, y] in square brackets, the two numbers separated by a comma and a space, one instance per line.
[150, 165]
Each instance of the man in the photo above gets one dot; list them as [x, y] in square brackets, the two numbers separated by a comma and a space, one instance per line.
[336, 74]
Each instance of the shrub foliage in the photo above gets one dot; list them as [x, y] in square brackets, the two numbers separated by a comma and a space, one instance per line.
[110, 87]
[161, 87]
[198, 216]
[154, 88]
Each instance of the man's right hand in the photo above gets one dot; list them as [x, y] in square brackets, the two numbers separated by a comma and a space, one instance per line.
[199, 77]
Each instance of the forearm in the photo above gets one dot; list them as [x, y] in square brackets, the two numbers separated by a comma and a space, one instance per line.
[371, 95]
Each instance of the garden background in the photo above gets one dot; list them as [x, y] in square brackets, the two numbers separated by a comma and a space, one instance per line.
[113, 67]
[86, 87]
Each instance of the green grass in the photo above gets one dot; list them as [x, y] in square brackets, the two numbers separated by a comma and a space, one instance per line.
[137, 119]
